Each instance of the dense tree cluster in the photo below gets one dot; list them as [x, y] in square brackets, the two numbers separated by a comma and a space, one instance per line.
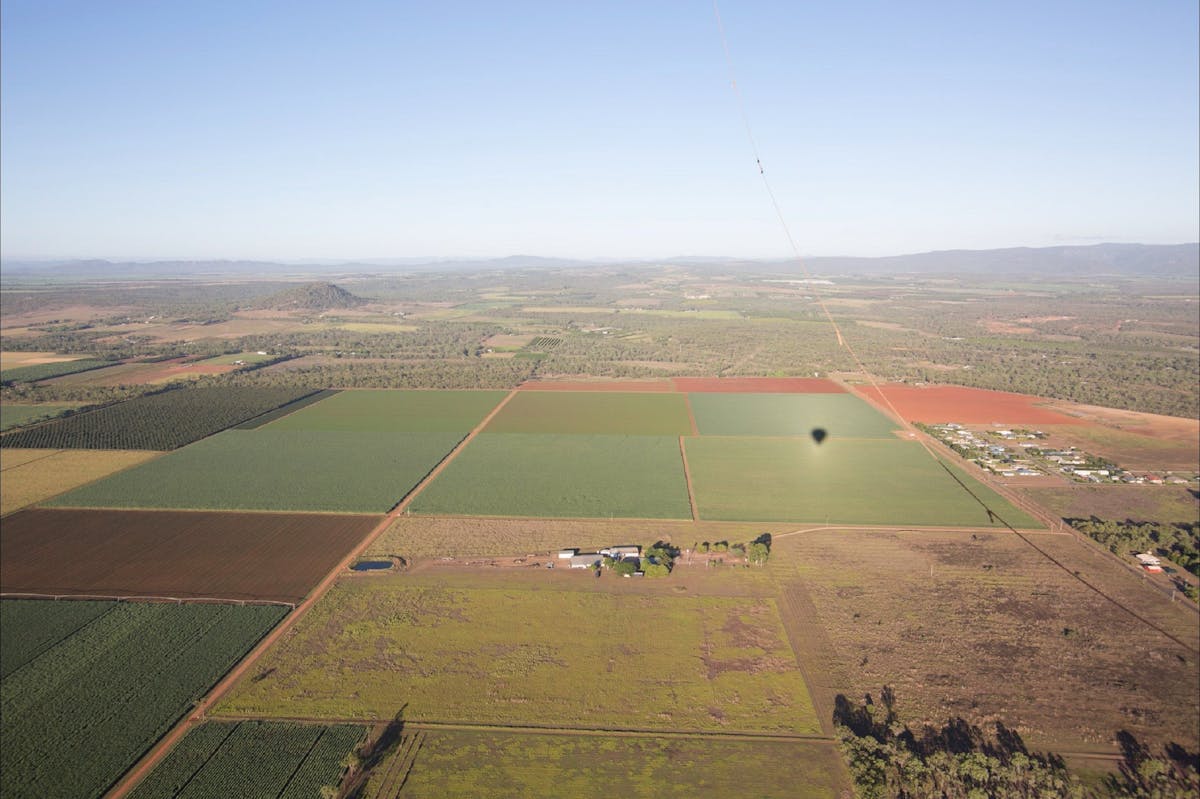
[1179, 541]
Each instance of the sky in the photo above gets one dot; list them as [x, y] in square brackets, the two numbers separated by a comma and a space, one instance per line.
[352, 130]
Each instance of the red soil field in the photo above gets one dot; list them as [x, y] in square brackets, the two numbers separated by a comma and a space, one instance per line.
[757, 385]
[940, 404]
[184, 554]
[597, 385]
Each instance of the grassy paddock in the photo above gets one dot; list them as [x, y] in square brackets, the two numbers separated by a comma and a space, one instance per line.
[460, 764]
[840, 415]
[524, 653]
[395, 411]
[886, 482]
[649, 414]
[562, 476]
[33, 475]
[267, 469]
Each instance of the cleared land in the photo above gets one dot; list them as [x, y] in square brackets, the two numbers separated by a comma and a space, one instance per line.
[289, 470]
[464, 764]
[243, 556]
[395, 411]
[413, 536]
[1138, 502]
[1156, 448]
[445, 649]
[644, 414]
[252, 759]
[516, 474]
[140, 373]
[839, 415]
[886, 482]
[10, 359]
[158, 421]
[33, 475]
[757, 385]
[983, 627]
[79, 710]
[940, 404]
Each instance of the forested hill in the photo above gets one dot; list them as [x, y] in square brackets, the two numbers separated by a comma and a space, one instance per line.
[312, 296]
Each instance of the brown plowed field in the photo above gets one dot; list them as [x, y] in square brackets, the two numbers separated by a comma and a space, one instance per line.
[244, 556]
[939, 404]
[597, 385]
[757, 385]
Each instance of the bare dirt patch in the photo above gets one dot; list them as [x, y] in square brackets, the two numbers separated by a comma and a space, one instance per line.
[939, 404]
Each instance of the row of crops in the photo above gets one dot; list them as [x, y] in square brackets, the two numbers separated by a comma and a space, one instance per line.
[252, 760]
[88, 687]
[45, 371]
[162, 421]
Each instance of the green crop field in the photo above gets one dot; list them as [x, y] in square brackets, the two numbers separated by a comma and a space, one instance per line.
[252, 760]
[89, 686]
[159, 421]
[596, 412]
[395, 411]
[562, 476]
[12, 415]
[45, 371]
[839, 415]
[465, 764]
[889, 482]
[296, 470]
[525, 653]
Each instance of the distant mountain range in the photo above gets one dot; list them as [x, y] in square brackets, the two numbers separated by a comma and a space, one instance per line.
[1131, 260]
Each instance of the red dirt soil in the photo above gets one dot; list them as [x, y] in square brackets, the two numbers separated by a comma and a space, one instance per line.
[757, 385]
[185, 554]
[597, 385]
[940, 404]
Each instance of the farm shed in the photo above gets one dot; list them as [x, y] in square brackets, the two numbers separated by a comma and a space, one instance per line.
[563, 554]
[622, 551]
[586, 560]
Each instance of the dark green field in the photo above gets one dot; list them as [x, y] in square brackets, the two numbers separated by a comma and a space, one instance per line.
[839, 415]
[268, 469]
[584, 412]
[395, 411]
[78, 710]
[252, 759]
[887, 482]
[555, 475]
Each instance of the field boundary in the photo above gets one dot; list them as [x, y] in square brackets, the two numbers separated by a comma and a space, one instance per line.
[687, 478]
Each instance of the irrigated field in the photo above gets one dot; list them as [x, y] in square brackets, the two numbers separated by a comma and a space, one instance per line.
[395, 411]
[158, 421]
[541, 649]
[757, 385]
[598, 385]
[77, 710]
[983, 627]
[12, 415]
[290, 470]
[646, 414]
[242, 556]
[252, 759]
[839, 415]
[515, 474]
[886, 482]
[463, 764]
[44, 371]
[33, 475]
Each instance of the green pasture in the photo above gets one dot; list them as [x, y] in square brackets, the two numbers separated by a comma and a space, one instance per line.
[839, 415]
[395, 411]
[464, 764]
[525, 474]
[16, 415]
[268, 469]
[594, 412]
[885, 482]
[529, 653]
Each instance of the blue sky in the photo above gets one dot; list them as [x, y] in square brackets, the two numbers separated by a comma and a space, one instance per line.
[294, 130]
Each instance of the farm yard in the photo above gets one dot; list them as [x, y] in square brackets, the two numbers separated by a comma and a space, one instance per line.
[34, 475]
[252, 760]
[268, 469]
[525, 474]
[89, 686]
[446, 764]
[980, 626]
[886, 482]
[521, 652]
[236, 556]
